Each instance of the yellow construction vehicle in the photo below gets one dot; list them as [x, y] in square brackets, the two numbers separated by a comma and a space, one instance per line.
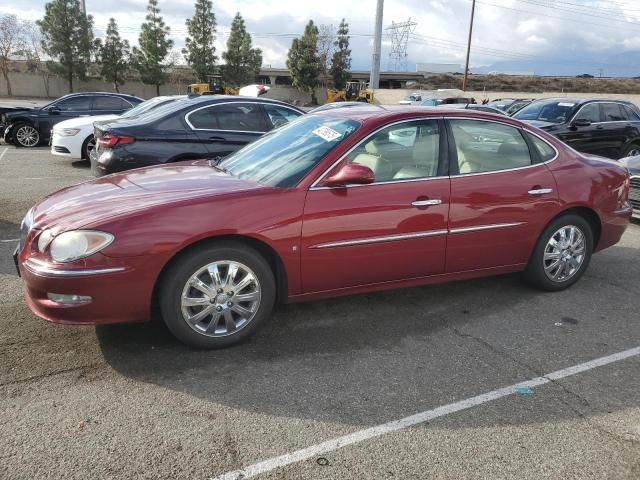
[353, 92]
[213, 86]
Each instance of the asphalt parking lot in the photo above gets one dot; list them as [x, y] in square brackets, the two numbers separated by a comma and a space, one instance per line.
[299, 400]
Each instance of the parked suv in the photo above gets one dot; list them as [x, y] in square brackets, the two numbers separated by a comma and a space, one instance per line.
[190, 128]
[610, 128]
[30, 127]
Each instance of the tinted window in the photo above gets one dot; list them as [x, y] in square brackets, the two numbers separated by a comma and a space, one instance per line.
[75, 104]
[232, 116]
[110, 103]
[590, 112]
[488, 146]
[631, 114]
[552, 112]
[545, 151]
[612, 112]
[279, 116]
[284, 156]
[144, 107]
[402, 151]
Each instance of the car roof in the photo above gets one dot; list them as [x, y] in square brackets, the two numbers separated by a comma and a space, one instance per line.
[390, 113]
[580, 101]
[99, 94]
[212, 99]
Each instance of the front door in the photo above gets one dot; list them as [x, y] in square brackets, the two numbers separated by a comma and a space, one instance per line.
[78, 106]
[389, 230]
[501, 195]
[227, 127]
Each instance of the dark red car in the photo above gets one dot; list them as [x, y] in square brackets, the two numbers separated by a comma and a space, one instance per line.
[340, 202]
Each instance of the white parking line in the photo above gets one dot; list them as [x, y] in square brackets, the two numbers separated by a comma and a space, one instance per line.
[3, 152]
[362, 435]
[9, 240]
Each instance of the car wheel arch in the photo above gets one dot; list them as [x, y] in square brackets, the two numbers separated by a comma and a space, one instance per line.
[271, 256]
[589, 214]
[84, 146]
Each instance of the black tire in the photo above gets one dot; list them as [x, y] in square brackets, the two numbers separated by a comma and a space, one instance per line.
[535, 272]
[85, 147]
[180, 271]
[18, 143]
[631, 150]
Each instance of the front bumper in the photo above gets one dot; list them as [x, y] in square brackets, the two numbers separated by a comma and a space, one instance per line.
[120, 291]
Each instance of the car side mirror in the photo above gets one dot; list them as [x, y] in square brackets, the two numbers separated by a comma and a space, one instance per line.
[581, 122]
[351, 173]
[54, 110]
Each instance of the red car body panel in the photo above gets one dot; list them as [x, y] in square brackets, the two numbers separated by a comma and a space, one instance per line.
[158, 212]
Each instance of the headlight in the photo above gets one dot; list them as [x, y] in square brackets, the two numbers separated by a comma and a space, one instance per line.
[66, 132]
[44, 239]
[74, 245]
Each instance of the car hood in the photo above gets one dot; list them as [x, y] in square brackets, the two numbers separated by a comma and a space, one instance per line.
[83, 121]
[124, 193]
[12, 111]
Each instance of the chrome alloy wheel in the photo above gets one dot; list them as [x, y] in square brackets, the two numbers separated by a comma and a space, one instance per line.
[564, 253]
[220, 298]
[27, 136]
[634, 152]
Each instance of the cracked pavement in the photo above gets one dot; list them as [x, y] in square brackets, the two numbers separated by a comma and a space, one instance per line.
[128, 402]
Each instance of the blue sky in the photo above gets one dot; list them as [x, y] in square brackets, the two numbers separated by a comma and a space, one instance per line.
[544, 36]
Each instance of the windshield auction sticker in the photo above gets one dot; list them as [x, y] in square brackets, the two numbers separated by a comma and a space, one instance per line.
[565, 104]
[327, 134]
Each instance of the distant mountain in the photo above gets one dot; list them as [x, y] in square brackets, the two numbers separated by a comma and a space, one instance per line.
[619, 64]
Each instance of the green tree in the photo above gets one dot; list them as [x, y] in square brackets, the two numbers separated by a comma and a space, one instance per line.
[114, 56]
[154, 48]
[199, 51]
[303, 61]
[341, 61]
[67, 38]
[242, 61]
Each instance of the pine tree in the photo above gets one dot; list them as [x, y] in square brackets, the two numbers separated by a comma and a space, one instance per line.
[341, 61]
[154, 48]
[200, 50]
[303, 61]
[242, 61]
[114, 56]
[67, 38]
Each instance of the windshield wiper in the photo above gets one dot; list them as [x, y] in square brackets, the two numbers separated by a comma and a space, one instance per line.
[215, 163]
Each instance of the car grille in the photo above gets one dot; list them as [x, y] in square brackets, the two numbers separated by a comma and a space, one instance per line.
[634, 192]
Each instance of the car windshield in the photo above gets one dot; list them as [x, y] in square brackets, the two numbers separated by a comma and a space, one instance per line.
[285, 156]
[154, 114]
[146, 106]
[552, 112]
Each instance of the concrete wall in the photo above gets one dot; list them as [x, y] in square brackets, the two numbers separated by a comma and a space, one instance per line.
[32, 86]
[390, 97]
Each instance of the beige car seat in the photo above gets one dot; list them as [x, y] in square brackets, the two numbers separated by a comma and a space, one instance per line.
[425, 158]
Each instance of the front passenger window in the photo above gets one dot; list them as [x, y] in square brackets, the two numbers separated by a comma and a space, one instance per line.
[483, 146]
[408, 150]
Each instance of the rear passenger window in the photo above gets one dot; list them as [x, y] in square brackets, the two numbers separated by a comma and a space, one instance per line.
[545, 151]
[110, 103]
[590, 112]
[631, 113]
[279, 116]
[612, 112]
[400, 152]
[488, 146]
[244, 117]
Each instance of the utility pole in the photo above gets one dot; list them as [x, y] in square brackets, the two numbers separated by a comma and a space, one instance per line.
[466, 64]
[83, 7]
[374, 79]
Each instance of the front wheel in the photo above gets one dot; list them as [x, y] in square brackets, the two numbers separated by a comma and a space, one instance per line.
[561, 255]
[26, 135]
[88, 146]
[217, 295]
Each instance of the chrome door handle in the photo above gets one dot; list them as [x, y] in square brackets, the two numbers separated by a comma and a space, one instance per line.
[426, 203]
[540, 191]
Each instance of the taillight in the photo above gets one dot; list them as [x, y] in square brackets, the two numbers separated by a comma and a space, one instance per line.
[110, 141]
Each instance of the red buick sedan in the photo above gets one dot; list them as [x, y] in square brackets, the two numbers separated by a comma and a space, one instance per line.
[339, 202]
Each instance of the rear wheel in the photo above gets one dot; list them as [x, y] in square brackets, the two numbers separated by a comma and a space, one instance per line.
[25, 135]
[561, 255]
[631, 151]
[217, 295]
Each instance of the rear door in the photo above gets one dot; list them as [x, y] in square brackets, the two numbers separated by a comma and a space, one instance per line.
[226, 127]
[588, 139]
[502, 194]
[617, 128]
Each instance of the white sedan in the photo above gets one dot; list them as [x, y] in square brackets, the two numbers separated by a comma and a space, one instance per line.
[74, 138]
